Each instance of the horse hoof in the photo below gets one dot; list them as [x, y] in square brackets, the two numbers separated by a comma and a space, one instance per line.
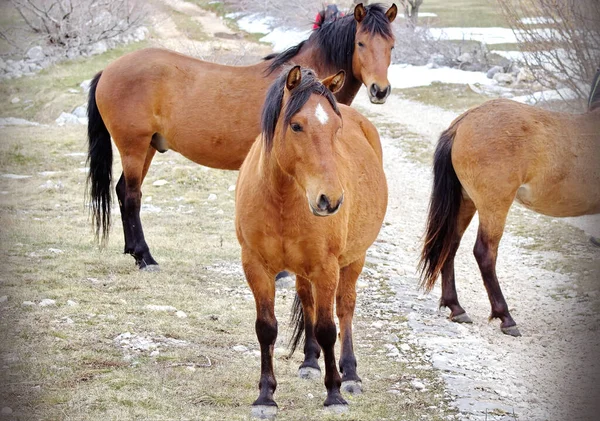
[309, 373]
[264, 412]
[150, 268]
[337, 408]
[352, 386]
[461, 318]
[511, 330]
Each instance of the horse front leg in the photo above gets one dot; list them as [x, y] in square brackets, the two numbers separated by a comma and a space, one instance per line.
[345, 303]
[262, 285]
[325, 283]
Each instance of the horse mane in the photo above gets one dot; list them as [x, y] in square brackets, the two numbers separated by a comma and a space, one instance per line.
[335, 39]
[594, 99]
[309, 85]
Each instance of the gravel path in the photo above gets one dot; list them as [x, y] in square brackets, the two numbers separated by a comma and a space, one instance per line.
[551, 373]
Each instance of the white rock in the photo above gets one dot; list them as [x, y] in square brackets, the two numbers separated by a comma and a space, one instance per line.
[169, 309]
[154, 353]
[212, 197]
[231, 188]
[525, 75]
[160, 183]
[85, 85]
[47, 302]
[6, 411]
[503, 78]
[405, 347]
[36, 53]
[15, 176]
[28, 303]
[417, 385]
[99, 48]
[55, 251]
[68, 320]
[72, 303]
[80, 112]
[67, 119]
[15, 100]
[180, 314]
[141, 33]
[240, 348]
[4, 299]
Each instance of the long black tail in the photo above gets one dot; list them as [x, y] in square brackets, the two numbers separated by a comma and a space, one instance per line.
[443, 211]
[100, 160]
[297, 323]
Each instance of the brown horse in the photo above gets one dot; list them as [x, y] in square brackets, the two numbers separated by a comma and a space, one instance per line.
[310, 198]
[154, 100]
[491, 155]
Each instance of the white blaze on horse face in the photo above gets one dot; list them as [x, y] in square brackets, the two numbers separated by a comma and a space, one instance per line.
[321, 114]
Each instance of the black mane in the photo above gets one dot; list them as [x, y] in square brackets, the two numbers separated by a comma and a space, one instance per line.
[335, 39]
[594, 99]
[271, 111]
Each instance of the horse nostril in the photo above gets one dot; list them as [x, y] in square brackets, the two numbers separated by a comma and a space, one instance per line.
[323, 203]
[383, 93]
[374, 89]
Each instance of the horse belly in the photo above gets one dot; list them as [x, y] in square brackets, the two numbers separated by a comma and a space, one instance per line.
[556, 200]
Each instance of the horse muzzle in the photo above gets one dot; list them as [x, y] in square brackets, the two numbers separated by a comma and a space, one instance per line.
[324, 206]
[378, 95]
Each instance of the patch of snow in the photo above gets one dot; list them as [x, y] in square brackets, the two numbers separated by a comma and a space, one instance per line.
[540, 20]
[550, 95]
[47, 302]
[405, 76]
[284, 38]
[15, 176]
[160, 183]
[13, 121]
[493, 35]
[254, 23]
[168, 309]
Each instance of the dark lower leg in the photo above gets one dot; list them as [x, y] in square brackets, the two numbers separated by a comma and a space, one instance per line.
[326, 335]
[312, 350]
[132, 226]
[266, 331]
[485, 251]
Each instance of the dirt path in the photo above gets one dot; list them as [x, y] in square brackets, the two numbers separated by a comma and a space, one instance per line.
[550, 373]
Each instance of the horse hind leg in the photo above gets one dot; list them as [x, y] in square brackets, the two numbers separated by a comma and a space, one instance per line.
[449, 297]
[491, 228]
[129, 193]
[345, 303]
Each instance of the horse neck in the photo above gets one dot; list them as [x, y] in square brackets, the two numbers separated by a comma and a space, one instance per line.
[310, 56]
[277, 183]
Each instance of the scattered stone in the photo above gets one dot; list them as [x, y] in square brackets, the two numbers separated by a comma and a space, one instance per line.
[4, 299]
[15, 100]
[155, 353]
[80, 112]
[212, 197]
[496, 69]
[240, 348]
[36, 53]
[525, 76]
[85, 85]
[220, 212]
[180, 314]
[28, 303]
[231, 188]
[168, 309]
[47, 302]
[55, 251]
[68, 320]
[465, 58]
[13, 121]
[6, 411]
[72, 303]
[15, 176]
[417, 385]
[69, 119]
[503, 78]
[98, 48]
[51, 185]
[405, 347]
[160, 183]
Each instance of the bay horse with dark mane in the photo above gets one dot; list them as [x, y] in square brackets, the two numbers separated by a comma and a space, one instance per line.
[496, 153]
[155, 100]
[310, 198]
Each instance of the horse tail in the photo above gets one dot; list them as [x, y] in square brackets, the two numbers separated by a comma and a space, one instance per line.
[444, 208]
[100, 158]
[297, 323]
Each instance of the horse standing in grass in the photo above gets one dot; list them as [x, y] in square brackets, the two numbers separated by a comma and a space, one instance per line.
[310, 198]
[155, 100]
[491, 155]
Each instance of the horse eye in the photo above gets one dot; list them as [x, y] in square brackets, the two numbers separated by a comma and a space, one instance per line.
[296, 127]
[360, 44]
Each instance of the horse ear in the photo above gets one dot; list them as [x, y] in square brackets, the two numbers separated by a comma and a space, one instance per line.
[334, 83]
[360, 12]
[293, 78]
[392, 12]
